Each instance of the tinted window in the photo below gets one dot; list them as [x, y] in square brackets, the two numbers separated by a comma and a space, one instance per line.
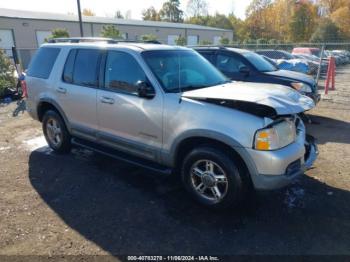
[123, 72]
[229, 64]
[69, 67]
[259, 62]
[86, 67]
[182, 70]
[43, 62]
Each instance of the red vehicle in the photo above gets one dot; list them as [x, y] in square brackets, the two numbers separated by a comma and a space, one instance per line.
[307, 51]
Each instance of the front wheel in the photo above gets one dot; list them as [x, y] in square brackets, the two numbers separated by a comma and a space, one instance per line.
[56, 133]
[212, 177]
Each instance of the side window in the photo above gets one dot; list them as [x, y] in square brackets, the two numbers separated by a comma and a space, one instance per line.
[69, 67]
[122, 72]
[229, 64]
[208, 56]
[85, 69]
[43, 62]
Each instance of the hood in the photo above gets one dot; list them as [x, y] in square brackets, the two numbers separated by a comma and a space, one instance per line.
[259, 99]
[292, 75]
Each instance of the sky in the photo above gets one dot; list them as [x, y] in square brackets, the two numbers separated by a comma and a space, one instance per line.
[108, 7]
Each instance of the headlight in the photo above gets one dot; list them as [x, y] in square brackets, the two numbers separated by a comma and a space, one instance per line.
[275, 137]
[301, 87]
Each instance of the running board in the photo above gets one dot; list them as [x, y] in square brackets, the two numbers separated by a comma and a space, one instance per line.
[137, 161]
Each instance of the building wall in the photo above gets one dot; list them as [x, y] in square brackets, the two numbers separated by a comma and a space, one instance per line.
[25, 39]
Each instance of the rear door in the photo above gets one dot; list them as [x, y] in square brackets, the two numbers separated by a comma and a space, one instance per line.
[77, 90]
[126, 121]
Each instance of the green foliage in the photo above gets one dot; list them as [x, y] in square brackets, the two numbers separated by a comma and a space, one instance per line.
[111, 31]
[301, 23]
[327, 31]
[205, 42]
[171, 11]
[150, 14]
[7, 78]
[149, 37]
[181, 41]
[58, 33]
[224, 41]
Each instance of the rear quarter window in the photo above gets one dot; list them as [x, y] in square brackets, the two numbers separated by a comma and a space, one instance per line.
[43, 62]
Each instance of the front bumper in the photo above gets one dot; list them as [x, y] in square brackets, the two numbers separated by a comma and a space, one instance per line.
[314, 96]
[276, 169]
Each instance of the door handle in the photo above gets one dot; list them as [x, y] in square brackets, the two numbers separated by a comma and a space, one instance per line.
[61, 90]
[107, 100]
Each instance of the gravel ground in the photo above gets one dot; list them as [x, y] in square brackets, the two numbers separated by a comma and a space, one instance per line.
[83, 204]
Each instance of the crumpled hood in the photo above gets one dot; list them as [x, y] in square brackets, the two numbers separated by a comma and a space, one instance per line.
[282, 99]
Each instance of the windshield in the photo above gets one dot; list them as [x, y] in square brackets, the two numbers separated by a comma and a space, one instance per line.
[179, 70]
[259, 62]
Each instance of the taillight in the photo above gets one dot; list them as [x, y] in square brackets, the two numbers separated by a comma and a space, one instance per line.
[24, 88]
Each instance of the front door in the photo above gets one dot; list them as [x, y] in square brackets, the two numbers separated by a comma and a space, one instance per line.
[126, 121]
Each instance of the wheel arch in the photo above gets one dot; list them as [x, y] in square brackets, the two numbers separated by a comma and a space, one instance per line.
[222, 142]
[49, 104]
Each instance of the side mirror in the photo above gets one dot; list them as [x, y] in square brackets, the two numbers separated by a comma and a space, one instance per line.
[244, 70]
[145, 89]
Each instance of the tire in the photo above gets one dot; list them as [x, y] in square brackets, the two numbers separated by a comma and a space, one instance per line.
[212, 161]
[56, 133]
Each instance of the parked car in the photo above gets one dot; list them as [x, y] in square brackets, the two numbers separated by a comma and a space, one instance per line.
[168, 109]
[314, 63]
[286, 61]
[307, 51]
[247, 66]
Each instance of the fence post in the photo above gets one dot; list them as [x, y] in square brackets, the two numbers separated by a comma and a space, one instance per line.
[320, 65]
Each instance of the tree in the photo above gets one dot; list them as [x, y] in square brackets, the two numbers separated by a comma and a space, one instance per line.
[150, 14]
[326, 31]
[180, 40]
[118, 14]
[302, 22]
[88, 12]
[224, 41]
[341, 18]
[205, 42]
[7, 79]
[58, 33]
[171, 12]
[149, 37]
[197, 8]
[111, 31]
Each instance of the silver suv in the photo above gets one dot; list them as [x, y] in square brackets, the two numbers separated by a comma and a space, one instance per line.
[168, 109]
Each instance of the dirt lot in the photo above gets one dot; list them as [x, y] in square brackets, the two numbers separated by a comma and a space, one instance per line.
[84, 204]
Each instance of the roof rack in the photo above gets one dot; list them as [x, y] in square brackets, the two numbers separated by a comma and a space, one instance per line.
[97, 39]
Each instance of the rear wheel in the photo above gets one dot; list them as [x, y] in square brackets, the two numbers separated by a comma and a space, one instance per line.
[212, 177]
[56, 133]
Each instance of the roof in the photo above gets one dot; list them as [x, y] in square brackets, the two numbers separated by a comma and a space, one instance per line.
[12, 13]
[232, 49]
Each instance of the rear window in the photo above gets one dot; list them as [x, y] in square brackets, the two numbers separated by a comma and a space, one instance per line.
[42, 63]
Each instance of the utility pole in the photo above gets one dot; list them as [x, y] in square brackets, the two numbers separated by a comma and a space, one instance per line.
[80, 20]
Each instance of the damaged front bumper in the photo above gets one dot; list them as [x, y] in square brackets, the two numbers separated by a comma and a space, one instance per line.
[279, 168]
